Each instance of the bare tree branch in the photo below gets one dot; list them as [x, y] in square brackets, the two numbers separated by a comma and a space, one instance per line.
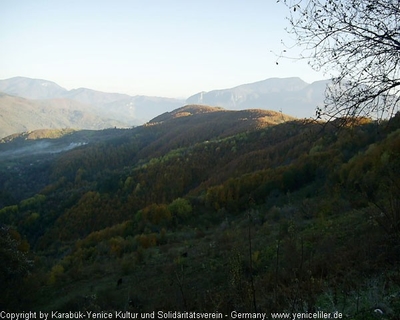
[357, 43]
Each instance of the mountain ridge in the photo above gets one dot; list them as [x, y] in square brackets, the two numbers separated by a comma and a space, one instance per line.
[291, 96]
[130, 110]
[36, 89]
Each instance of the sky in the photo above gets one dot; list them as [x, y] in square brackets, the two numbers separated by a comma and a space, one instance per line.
[173, 48]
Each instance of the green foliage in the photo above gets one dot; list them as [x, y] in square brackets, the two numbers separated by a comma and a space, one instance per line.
[32, 203]
[55, 274]
[181, 209]
[7, 213]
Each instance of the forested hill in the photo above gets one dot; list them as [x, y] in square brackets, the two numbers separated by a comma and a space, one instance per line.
[207, 209]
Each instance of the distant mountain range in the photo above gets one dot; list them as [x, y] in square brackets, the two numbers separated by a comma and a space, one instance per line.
[45, 104]
[291, 96]
[129, 109]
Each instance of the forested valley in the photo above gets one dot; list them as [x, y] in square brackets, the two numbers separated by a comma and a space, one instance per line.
[209, 210]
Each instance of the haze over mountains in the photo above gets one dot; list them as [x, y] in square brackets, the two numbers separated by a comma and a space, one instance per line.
[291, 96]
[21, 115]
[30, 104]
[108, 109]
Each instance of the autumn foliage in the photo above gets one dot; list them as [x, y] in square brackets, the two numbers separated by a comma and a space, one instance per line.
[294, 216]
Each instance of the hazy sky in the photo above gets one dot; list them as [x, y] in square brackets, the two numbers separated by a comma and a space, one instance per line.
[171, 48]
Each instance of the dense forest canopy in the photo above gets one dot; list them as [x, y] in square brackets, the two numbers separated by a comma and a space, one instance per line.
[208, 210]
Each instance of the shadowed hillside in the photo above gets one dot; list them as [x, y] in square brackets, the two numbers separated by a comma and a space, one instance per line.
[206, 209]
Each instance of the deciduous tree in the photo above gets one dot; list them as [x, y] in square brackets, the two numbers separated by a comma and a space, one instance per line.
[357, 43]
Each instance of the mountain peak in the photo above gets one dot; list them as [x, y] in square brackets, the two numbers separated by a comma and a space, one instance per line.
[31, 88]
